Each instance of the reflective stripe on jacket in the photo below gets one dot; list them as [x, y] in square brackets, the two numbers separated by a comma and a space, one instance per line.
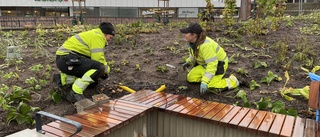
[90, 43]
[208, 56]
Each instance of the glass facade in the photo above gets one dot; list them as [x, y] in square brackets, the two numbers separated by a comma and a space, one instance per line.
[118, 12]
[34, 11]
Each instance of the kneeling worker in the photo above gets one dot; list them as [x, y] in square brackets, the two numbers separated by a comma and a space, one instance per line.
[81, 60]
[208, 59]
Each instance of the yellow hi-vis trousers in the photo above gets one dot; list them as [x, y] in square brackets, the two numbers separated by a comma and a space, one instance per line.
[78, 84]
[218, 81]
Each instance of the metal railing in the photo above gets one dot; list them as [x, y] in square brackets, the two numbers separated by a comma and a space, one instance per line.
[32, 22]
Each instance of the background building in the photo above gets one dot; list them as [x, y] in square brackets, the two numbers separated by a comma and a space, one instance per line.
[107, 8]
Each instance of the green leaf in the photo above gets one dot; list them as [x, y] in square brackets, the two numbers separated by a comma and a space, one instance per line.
[263, 103]
[56, 97]
[246, 104]
[182, 87]
[24, 109]
[20, 119]
[11, 116]
[292, 112]
[253, 85]
[276, 109]
[243, 95]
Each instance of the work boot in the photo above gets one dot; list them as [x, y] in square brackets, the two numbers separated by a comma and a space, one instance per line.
[57, 80]
[61, 90]
[74, 97]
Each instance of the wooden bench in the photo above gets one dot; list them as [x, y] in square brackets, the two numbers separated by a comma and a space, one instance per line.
[314, 104]
[149, 113]
[245, 119]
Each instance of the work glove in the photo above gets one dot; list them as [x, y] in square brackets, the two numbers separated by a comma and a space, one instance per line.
[185, 65]
[203, 88]
[104, 77]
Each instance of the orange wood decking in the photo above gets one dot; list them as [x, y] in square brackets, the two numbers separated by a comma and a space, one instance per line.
[104, 118]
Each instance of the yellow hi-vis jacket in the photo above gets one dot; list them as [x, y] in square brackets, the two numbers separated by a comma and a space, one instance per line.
[208, 56]
[90, 43]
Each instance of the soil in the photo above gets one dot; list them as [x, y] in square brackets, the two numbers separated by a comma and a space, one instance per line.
[149, 51]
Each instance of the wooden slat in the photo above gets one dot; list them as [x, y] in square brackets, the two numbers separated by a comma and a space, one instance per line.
[142, 99]
[243, 125]
[94, 117]
[266, 123]
[310, 130]
[138, 95]
[178, 103]
[85, 129]
[161, 100]
[110, 110]
[151, 98]
[314, 94]
[168, 102]
[299, 125]
[70, 129]
[121, 111]
[117, 106]
[206, 110]
[277, 125]
[199, 108]
[135, 105]
[238, 118]
[187, 106]
[256, 122]
[214, 111]
[172, 102]
[222, 113]
[287, 127]
[100, 126]
[110, 114]
[226, 119]
[195, 104]
[56, 131]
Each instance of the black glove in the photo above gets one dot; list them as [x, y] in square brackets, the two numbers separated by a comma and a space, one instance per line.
[185, 65]
[104, 77]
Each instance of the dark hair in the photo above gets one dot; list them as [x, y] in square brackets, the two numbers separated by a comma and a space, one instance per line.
[107, 28]
[200, 39]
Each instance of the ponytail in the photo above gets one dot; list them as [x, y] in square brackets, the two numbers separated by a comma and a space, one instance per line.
[201, 38]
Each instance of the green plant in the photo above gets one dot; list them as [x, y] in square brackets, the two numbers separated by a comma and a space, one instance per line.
[55, 96]
[258, 64]
[279, 107]
[282, 49]
[162, 69]
[124, 62]
[229, 11]
[243, 71]
[21, 114]
[243, 95]
[270, 77]
[138, 67]
[253, 85]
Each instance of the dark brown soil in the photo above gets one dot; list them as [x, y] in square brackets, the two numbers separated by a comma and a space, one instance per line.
[167, 47]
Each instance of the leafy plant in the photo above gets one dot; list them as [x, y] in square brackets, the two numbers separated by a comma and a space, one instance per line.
[162, 69]
[55, 96]
[243, 95]
[253, 85]
[268, 79]
[243, 71]
[138, 67]
[296, 92]
[258, 64]
[21, 114]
